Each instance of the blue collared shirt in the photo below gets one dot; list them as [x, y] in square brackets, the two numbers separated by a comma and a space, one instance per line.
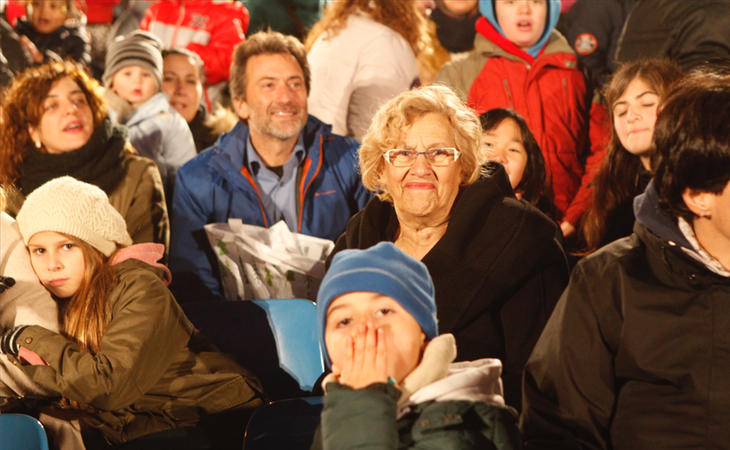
[278, 194]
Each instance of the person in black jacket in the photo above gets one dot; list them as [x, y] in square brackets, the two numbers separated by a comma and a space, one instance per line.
[692, 34]
[636, 352]
[54, 30]
[496, 262]
[593, 28]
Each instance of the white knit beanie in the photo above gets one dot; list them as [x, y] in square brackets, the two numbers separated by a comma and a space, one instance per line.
[82, 210]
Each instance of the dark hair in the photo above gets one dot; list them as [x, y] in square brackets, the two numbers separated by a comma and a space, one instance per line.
[264, 42]
[692, 138]
[532, 184]
[619, 176]
[197, 60]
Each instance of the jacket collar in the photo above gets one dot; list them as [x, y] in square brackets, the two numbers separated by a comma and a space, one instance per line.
[231, 148]
[556, 46]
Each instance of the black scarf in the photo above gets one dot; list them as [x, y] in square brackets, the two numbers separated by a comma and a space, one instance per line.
[98, 162]
[456, 34]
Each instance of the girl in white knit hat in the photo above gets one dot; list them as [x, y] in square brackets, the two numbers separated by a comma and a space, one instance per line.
[127, 359]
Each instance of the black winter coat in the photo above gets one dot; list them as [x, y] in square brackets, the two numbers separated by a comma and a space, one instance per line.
[67, 42]
[691, 33]
[636, 353]
[498, 271]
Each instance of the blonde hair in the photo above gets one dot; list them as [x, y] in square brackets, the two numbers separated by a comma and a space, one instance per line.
[402, 16]
[85, 313]
[386, 131]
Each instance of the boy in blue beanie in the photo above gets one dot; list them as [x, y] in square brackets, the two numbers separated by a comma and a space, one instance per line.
[520, 62]
[393, 383]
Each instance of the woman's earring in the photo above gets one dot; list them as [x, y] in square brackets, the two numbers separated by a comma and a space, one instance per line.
[37, 144]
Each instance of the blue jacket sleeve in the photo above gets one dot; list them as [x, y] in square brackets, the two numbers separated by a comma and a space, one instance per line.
[191, 257]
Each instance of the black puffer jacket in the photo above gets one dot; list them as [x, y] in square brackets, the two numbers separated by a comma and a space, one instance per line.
[636, 353]
[690, 33]
[67, 42]
[498, 272]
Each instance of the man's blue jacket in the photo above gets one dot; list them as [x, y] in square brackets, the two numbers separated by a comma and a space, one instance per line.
[216, 185]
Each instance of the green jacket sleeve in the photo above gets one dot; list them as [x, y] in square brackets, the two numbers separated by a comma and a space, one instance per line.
[146, 330]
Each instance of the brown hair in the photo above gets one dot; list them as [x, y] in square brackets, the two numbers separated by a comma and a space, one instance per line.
[85, 313]
[618, 178]
[264, 42]
[402, 16]
[22, 108]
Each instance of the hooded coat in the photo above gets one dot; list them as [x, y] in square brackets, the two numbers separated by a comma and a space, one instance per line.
[635, 353]
[547, 89]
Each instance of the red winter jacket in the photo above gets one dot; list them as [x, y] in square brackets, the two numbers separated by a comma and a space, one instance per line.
[550, 93]
[209, 28]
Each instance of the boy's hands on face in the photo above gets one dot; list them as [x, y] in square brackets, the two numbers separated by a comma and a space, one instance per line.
[366, 358]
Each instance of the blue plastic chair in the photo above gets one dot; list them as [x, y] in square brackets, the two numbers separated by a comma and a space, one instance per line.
[275, 339]
[21, 432]
[294, 325]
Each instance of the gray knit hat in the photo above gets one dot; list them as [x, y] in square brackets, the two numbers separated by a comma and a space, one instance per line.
[139, 48]
[82, 210]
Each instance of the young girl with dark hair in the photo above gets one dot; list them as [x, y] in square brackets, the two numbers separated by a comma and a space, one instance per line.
[632, 97]
[127, 361]
[507, 139]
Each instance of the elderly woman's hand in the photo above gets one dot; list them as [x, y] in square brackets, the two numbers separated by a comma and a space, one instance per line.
[366, 359]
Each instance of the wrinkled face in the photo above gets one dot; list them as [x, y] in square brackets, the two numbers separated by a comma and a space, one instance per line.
[134, 84]
[503, 144]
[181, 82]
[522, 21]
[58, 262]
[634, 115]
[276, 97]
[47, 16]
[421, 190]
[67, 121]
[403, 336]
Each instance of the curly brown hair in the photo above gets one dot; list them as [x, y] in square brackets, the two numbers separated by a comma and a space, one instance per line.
[22, 109]
[402, 16]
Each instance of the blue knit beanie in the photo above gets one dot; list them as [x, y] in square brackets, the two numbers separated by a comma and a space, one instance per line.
[384, 269]
[486, 8]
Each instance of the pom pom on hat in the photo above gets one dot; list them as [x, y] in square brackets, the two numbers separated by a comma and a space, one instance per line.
[82, 210]
[384, 269]
[139, 48]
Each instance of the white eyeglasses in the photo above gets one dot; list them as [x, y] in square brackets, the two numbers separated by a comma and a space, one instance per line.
[436, 156]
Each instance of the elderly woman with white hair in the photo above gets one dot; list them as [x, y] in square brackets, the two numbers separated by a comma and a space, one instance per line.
[497, 264]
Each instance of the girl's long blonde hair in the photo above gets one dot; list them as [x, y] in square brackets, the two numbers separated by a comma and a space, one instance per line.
[85, 314]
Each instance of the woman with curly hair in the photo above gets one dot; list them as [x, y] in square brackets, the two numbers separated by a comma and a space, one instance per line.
[55, 123]
[361, 54]
[632, 98]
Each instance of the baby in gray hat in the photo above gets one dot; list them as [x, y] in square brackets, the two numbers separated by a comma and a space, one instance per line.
[133, 79]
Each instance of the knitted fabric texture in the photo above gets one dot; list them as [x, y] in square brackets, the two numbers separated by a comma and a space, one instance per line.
[67, 205]
[139, 48]
[384, 269]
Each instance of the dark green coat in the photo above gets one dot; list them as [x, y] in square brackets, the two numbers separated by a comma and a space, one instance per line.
[366, 418]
